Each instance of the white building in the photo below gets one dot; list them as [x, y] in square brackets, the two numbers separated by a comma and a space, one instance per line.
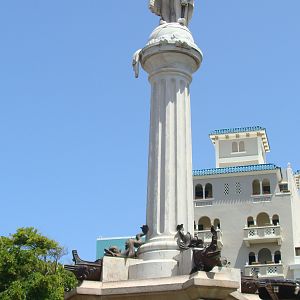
[254, 204]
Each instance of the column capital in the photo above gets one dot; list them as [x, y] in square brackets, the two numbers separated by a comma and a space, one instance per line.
[170, 58]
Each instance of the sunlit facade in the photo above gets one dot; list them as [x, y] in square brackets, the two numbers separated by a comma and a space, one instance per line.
[254, 205]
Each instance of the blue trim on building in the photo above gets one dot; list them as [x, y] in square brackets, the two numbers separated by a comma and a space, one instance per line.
[109, 242]
[238, 169]
[237, 130]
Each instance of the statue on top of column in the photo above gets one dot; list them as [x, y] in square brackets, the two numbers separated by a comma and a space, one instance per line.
[180, 11]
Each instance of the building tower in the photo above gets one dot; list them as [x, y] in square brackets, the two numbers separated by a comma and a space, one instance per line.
[231, 144]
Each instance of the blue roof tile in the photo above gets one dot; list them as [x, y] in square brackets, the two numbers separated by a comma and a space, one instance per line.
[237, 169]
[297, 172]
[236, 130]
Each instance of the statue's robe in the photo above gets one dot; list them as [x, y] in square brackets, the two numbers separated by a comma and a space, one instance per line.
[172, 10]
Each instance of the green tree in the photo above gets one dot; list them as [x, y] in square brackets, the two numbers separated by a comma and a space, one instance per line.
[30, 268]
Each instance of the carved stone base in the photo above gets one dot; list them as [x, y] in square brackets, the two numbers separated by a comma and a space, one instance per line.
[117, 269]
[221, 284]
[154, 269]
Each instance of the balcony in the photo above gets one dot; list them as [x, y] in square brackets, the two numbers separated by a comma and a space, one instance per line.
[265, 270]
[262, 198]
[263, 234]
[206, 235]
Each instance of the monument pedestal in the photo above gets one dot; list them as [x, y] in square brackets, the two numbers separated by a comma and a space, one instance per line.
[218, 284]
[117, 282]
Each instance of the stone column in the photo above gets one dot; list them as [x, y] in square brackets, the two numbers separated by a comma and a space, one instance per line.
[261, 187]
[170, 58]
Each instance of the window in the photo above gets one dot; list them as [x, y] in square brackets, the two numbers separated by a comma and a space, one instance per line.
[284, 187]
[217, 224]
[266, 188]
[277, 257]
[235, 147]
[250, 222]
[226, 189]
[242, 146]
[256, 187]
[297, 251]
[238, 147]
[252, 258]
[199, 191]
[275, 220]
[208, 191]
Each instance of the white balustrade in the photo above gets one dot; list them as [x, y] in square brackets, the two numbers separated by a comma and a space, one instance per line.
[262, 234]
[264, 270]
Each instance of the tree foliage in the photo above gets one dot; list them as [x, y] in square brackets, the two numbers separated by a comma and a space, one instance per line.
[30, 269]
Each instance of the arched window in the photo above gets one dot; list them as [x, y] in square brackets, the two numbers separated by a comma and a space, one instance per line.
[263, 219]
[264, 256]
[235, 147]
[250, 221]
[266, 188]
[199, 191]
[256, 187]
[277, 257]
[208, 191]
[217, 224]
[204, 223]
[241, 146]
[275, 220]
[252, 258]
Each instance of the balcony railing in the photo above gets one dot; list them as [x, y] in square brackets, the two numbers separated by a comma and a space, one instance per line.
[262, 198]
[203, 202]
[206, 236]
[262, 234]
[265, 270]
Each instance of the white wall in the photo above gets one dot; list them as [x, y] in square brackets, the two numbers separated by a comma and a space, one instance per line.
[234, 209]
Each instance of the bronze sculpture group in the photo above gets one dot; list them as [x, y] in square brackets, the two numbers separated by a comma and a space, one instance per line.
[205, 258]
[130, 245]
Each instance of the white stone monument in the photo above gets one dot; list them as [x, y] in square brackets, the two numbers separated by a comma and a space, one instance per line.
[161, 270]
[170, 58]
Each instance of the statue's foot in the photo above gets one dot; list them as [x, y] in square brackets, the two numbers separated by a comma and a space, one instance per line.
[162, 22]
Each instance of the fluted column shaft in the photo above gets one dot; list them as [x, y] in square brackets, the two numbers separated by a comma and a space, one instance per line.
[170, 194]
[169, 199]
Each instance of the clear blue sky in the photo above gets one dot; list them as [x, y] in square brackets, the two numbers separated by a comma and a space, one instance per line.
[74, 121]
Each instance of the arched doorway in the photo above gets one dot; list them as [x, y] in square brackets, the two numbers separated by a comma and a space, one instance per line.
[204, 223]
[263, 219]
[264, 256]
